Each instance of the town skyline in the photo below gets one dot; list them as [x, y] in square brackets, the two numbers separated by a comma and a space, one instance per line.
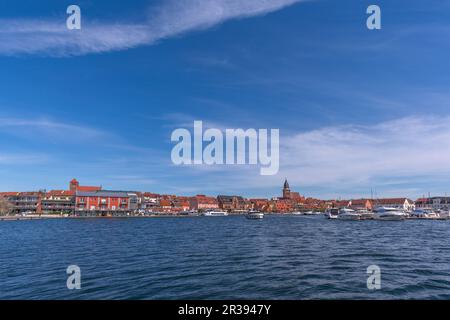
[94, 201]
[373, 195]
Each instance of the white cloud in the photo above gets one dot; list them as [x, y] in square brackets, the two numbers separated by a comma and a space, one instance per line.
[395, 158]
[357, 155]
[22, 159]
[39, 128]
[172, 18]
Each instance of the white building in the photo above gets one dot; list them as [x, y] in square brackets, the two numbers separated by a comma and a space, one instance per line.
[437, 203]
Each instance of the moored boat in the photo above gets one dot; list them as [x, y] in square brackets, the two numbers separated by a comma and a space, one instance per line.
[311, 213]
[215, 214]
[366, 214]
[332, 213]
[389, 214]
[254, 215]
[425, 213]
[191, 213]
[443, 215]
[348, 214]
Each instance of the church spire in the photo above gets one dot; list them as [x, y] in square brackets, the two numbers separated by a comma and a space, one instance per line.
[286, 190]
[286, 184]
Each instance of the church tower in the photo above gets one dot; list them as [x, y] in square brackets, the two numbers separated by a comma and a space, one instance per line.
[286, 190]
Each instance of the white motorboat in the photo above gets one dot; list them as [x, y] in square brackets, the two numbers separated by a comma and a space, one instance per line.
[424, 213]
[311, 213]
[332, 213]
[391, 214]
[297, 213]
[191, 213]
[348, 214]
[254, 215]
[443, 215]
[366, 214]
[215, 214]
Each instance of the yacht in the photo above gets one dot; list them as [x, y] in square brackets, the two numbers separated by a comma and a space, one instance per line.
[297, 213]
[332, 213]
[424, 214]
[311, 213]
[392, 214]
[215, 214]
[254, 215]
[348, 214]
[443, 214]
[366, 214]
[191, 213]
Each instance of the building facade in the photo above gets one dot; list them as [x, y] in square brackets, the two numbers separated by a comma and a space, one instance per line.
[105, 202]
[201, 202]
[58, 201]
[25, 202]
[232, 203]
[436, 203]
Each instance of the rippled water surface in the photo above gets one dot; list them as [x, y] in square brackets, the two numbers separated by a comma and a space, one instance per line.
[283, 257]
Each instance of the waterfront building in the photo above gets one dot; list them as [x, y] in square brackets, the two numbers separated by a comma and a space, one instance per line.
[165, 205]
[437, 203]
[361, 204]
[282, 205]
[201, 202]
[105, 202]
[232, 203]
[58, 201]
[309, 204]
[181, 205]
[150, 201]
[262, 205]
[25, 202]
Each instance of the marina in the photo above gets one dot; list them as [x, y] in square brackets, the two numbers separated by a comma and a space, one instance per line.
[81, 201]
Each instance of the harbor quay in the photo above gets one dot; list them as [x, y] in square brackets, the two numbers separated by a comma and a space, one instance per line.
[80, 201]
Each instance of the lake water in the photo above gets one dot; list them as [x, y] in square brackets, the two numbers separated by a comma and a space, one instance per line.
[280, 257]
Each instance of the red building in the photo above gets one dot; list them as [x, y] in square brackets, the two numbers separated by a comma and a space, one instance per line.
[104, 202]
[282, 205]
[260, 204]
[202, 202]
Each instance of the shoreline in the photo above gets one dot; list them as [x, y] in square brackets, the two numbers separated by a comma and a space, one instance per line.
[57, 217]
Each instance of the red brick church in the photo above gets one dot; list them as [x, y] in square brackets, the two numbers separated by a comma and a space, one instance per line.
[289, 195]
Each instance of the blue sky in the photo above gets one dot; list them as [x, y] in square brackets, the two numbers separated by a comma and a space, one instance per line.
[357, 109]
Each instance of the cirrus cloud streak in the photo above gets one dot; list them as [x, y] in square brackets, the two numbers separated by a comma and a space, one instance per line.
[52, 38]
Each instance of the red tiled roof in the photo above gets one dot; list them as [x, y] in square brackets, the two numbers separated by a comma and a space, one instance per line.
[61, 193]
[359, 202]
[151, 195]
[7, 194]
[88, 188]
[183, 204]
[206, 200]
[165, 203]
